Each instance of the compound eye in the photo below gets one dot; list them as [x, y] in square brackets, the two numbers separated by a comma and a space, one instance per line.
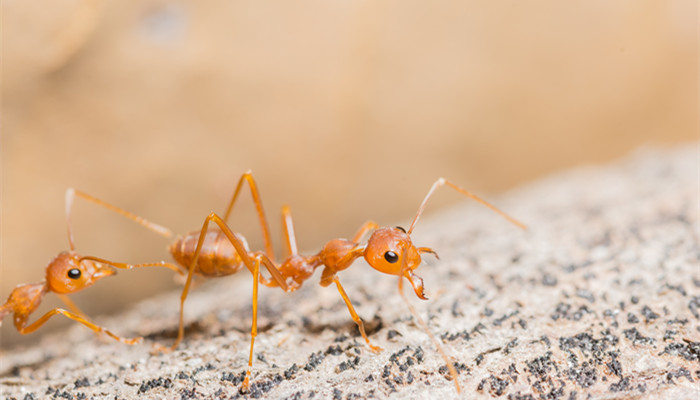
[74, 273]
[391, 257]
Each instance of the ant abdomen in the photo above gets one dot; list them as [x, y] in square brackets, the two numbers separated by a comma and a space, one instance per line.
[217, 256]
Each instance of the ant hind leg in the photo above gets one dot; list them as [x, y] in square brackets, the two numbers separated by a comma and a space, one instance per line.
[248, 177]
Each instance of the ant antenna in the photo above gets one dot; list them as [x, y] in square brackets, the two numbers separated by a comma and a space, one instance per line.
[424, 326]
[442, 181]
[70, 195]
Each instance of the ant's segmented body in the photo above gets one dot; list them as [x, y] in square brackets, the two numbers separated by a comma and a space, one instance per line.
[220, 252]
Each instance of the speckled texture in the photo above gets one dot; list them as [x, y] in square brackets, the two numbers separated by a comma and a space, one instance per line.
[599, 299]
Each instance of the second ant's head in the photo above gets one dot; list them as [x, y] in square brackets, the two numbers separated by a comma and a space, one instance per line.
[67, 274]
[385, 248]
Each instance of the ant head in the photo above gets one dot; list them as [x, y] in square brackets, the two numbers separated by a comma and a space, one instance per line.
[67, 274]
[385, 248]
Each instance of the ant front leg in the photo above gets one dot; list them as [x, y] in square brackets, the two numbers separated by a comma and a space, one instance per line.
[20, 323]
[355, 317]
[289, 234]
[417, 283]
[71, 305]
[406, 273]
[366, 227]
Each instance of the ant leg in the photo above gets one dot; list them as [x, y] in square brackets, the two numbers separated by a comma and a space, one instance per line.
[354, 315]
[441, 182]
[5, 310]
[417, 286]
[405, 274]
[183, 297]
[248, 177]
[70, 195]
[131, 266]
[254, 327]
[71, 305]
[291, 238]
[34, 326]
[242, 252]
[240, 248]
[366, 227]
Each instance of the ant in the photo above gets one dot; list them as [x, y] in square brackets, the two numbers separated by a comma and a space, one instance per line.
[389, 250]
[68, 273]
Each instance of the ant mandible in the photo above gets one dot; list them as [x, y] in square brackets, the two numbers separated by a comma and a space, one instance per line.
[389, 250]
[69, 273]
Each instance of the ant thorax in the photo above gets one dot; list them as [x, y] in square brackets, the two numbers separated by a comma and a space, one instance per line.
[23, 300]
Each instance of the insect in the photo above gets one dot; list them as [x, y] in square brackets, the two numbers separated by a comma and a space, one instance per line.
[68, 273]
[219, 252]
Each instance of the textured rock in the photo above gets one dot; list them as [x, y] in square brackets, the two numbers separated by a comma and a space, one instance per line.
[600, 298]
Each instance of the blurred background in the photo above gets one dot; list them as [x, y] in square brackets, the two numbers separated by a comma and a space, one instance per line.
[345, 110]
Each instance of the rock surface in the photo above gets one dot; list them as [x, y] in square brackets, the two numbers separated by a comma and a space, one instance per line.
[600, 298]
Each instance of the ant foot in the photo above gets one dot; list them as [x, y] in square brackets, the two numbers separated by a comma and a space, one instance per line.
[245, 386]
[160, 349]
[133, 341]
[375, 349]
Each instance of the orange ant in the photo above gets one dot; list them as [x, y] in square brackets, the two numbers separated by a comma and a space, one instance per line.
[389, 250]
[69, 273]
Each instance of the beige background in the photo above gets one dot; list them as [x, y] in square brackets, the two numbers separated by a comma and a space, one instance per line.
[344, 110]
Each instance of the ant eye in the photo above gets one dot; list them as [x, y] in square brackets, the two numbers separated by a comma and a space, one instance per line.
[400, 228]
[74, 273]
[391, 257]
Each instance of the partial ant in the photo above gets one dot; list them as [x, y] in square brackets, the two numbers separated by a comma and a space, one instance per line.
[69, 273]
[389, 250]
